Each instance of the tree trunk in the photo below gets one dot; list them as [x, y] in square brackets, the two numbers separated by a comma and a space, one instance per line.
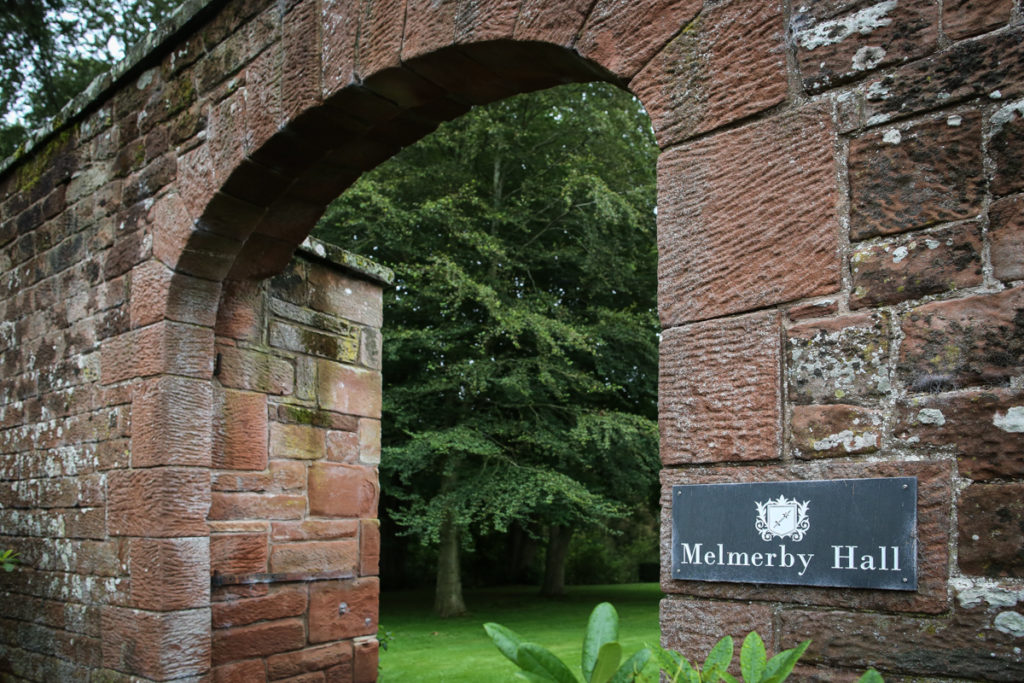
[522, 551]
[448, 600]
[554, 563]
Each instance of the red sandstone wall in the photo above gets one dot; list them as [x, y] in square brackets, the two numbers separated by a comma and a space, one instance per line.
[294, 539]
[841, 285]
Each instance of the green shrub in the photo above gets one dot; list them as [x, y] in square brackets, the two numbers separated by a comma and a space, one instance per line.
[602, 658]
[602, 654]
[9, 560]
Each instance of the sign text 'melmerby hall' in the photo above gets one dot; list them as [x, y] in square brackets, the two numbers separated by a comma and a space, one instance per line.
[847, 532]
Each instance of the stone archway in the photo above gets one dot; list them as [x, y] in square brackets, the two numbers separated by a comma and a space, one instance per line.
[788, 243]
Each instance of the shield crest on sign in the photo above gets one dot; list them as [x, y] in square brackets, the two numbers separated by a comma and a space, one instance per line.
[782, 518]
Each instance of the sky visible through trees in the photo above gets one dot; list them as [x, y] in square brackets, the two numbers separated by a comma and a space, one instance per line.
[50, 50]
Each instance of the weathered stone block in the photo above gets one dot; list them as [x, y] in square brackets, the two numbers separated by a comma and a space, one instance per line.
[281, 476]
[302, 415]
[369, 547]
[963, 342]
[623, 42]
[1006, 148]
[369, 441]
[344, 296]
[319, 658]
[915, 176]
[158, 502]
[991, 530]
[344, 348]
[1006, 237]
[367, 656]
[240, 314]
[159, 293]
[158, 645]
[240, 430]
[234, 554]
[164, 347]
[254, 371]
[965, 18]
[718, 390]
[727, 64]
[240, 672]
[835, 47]
[742, 214]
[300, 64]
[165, 412]
[835, 430]
[328, 620]
[909, 268]
[983, 428]
[289, 600]
[982, 68]
[551, 21]
[169, 574]
[256, 506]
[257, 640]
[343, 446]
[296, 441]
[963, 645]
[345, 389]
[315, 558]
[314, 530]
[840, 360]
[337, 490]
[694, 638]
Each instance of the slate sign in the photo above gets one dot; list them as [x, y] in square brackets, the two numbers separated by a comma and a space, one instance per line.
[857, 533]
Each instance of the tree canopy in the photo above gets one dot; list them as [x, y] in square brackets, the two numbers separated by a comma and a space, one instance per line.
[520, 353]
[50, 50]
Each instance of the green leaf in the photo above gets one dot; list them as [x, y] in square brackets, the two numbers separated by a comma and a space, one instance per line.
[631, 668]
[780, 666]
[752, 658]
[871, 676]
[532, 678]
[506, 640]
[675, 666]
[538, 660]
[608, 659]
[728, 677]
[603, 627]
[718, 660]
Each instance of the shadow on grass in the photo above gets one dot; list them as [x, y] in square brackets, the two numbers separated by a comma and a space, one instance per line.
[426, 649]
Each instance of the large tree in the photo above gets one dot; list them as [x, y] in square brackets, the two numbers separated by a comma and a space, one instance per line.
[520, 348]
[51, 49]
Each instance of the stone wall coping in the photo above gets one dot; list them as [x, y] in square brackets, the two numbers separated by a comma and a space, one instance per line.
[346, 260]
[138, 58]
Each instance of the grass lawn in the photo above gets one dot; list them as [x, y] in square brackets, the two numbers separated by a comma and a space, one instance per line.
[426, 649]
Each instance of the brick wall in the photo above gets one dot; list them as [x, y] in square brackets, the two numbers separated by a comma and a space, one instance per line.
[181, 402]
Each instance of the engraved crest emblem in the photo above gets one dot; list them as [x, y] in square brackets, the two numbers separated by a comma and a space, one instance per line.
[781, 518]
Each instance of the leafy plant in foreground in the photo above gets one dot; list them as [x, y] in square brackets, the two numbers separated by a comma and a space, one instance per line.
[755, 667]
[601, 658]
[602, 654]
[9, 560]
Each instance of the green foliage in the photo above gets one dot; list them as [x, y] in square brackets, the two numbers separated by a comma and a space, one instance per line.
[520, 348]
[597, 556]
[9, 560]
[602, 654]
[50, 50]
[755, 667]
